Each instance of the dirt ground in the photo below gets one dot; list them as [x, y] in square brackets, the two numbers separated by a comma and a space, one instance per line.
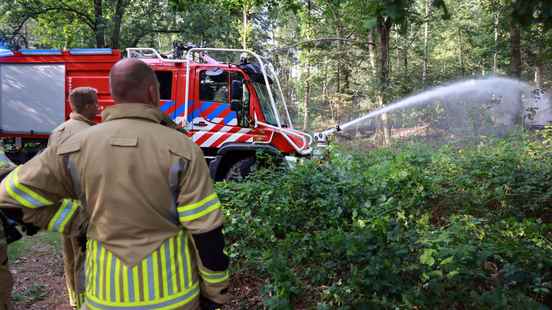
[39, 283]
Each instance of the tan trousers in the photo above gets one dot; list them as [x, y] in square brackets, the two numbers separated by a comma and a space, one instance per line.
[73, 263]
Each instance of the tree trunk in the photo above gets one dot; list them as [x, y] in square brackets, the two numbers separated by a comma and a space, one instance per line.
[539, 75]
[495, 56]
[384, 29]
[244, 37]
[339, 63]
[325, 89]
[372, 53]
[515, 39]
[117, 19]
[537, 53]
[398, 59]
[461, 53]
[99, 25]
[245, 27]
[539, 64]
[306, 99]
[426, 42]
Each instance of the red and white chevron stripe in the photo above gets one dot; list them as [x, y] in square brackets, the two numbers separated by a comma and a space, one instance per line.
[214, 135]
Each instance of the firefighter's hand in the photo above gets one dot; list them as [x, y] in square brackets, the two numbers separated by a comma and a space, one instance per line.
[30, 229]
[207, 304]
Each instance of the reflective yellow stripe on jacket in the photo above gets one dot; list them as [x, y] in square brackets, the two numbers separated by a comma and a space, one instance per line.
[22, 194]
[214, 277]
[188, 213]
[162, 280]
[63, 215]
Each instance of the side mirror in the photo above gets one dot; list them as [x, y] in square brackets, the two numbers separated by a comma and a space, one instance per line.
[236, 101]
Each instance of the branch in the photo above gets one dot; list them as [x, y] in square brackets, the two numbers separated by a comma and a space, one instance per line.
[86, 18]
[328, 39]
[26, 17]
[165, 30]
[145, 32]
[63, 7]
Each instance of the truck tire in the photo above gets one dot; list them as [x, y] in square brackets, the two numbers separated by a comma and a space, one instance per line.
[240, 169]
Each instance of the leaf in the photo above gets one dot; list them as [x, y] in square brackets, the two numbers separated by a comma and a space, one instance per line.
[427, 257]
[452, 274]
[370, 23]
[403, 174]
[436, 274]
[447, 261]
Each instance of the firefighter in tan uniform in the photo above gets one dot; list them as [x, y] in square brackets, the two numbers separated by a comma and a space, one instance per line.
[84, 104]
[155, 223]
[6, 281]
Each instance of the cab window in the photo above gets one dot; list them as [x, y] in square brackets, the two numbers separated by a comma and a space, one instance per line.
[214, 86]
[165, 84]
[215, 96]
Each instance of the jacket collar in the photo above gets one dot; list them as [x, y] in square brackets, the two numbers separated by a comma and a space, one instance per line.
[132, 110]
[79, 117]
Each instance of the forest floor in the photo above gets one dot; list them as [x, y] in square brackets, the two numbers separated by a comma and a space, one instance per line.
[37, 265]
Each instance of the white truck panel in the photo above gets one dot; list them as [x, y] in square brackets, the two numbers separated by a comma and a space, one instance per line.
[32, 97]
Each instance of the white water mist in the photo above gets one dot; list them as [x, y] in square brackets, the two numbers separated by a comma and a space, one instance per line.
[476, 107]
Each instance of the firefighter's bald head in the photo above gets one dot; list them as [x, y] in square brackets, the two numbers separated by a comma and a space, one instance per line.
[132, 81]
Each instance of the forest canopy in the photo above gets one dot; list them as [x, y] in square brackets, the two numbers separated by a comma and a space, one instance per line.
[336, 59]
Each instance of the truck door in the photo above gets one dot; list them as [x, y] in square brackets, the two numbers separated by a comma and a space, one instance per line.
[214, 123]
[166, 92]
[214, 101]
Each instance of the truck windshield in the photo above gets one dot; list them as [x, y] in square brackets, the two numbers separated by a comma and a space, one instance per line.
[264, 99]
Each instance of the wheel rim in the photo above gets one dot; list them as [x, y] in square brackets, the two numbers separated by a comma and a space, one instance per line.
[234, 174]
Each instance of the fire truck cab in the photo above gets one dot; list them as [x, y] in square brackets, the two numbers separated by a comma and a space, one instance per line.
[230, 110]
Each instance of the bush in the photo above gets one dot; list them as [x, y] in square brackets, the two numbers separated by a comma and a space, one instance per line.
[410, 228]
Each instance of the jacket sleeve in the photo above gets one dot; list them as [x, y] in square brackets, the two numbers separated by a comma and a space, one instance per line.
[60, 217]
[37, 187]
[199, 211]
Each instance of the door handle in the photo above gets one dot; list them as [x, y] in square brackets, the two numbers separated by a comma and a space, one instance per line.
[200, 124]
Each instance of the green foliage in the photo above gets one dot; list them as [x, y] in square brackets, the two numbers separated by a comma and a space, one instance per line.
[31, 294]
[20, 247]
[408, 228]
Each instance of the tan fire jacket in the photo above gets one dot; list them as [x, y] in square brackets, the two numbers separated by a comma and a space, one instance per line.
[147, 194]
[73, 255]
[75, 124]
[45, 218]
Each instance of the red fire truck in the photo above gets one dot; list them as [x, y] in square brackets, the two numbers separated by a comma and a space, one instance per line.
[230, 110]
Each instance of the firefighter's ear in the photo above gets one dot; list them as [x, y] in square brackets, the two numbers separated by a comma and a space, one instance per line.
[153, 94]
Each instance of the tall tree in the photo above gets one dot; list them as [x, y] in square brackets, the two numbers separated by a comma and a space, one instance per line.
[99, 25]
[515, 43]
[426, 40]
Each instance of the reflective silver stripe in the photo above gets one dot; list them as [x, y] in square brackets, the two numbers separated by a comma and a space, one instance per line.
[81, 285]
[131, 285]
[214, 277]
[155, 276]
[190, 213]
[185, 258]
[97, 268]
[22, 194]
[63, 215]
[151, 277]
[181, 300]
[169, 263]
[112, 276]
[174, 183]
[74, 176]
